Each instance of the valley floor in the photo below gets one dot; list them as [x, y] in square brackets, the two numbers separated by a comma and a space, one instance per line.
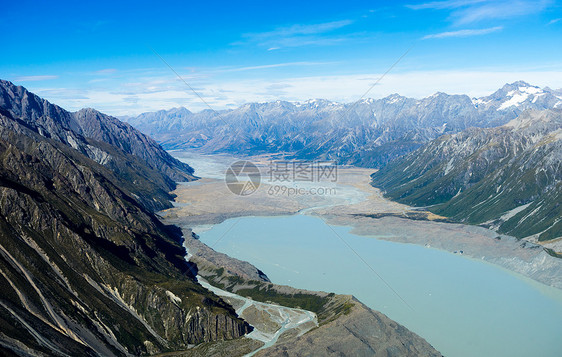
[352, 201]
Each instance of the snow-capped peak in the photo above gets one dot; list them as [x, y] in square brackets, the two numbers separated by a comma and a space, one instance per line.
[479, 101]
[393, 98]
[518, 93]
[315, 103]
[530, 90]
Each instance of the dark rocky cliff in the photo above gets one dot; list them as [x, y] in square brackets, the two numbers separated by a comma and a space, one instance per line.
[85, 266]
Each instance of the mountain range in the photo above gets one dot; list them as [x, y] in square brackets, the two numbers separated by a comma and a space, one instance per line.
[366, 133]
[508, 178]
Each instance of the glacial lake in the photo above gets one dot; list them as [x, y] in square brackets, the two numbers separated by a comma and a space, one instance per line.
[463, 307]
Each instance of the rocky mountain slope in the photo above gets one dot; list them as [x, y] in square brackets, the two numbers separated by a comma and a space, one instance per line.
[101, 127]
[146, 168]
[368, 133]
[508, 178]
[86, 268]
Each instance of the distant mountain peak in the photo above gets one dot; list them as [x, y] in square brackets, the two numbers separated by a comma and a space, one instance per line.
[315, 103]
[383, 128]
[519, 96]
[521, 83]
[182, 110]
[392, 98]
[517, 86]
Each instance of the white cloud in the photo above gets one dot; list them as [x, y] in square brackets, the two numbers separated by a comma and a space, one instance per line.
[106, 71]
[464, 33]
[166, 92]
[299, 29]
[35, 78]
[499, 10]
[470, 11]
[448, 4]
[553, 21]
[296, 35]
[274, 65]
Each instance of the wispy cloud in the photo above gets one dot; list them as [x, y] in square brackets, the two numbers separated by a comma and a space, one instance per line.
[439, 5]
[464, 33]
[35, 78]
[273, 65]
[470, 11]
[296, 35]
[553, 21]
[299, 29]
[106, 71]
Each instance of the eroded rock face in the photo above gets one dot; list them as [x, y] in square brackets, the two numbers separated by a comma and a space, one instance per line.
[85, 266]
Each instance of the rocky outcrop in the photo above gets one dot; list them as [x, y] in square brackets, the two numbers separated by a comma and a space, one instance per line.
[346, 326]
[86, 268]
[367, 133]
[359, 332]
[507, 178]
[101, 127]
[199, 251]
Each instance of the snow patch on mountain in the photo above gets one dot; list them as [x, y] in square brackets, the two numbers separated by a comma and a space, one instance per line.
[530, 89]
[479, 101]
[520, 94]
[516, 99]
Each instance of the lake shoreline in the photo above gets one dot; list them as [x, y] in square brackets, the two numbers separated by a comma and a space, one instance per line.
[449, 295]
[358, 209]
[209, 202]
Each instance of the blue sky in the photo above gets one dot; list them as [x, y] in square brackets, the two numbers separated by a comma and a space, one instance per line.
[102, 54]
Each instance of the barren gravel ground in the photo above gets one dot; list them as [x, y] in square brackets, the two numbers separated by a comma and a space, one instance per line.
[357, 204]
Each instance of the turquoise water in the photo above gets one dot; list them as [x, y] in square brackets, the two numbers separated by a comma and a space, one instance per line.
[463, 307]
